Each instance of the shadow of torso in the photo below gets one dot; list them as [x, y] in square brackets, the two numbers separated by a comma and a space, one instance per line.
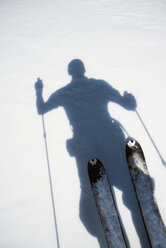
[95, 132]
[95, 135]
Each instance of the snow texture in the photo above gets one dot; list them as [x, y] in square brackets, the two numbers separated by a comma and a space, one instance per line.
[144, 190]
[108, 212]
[121, 42]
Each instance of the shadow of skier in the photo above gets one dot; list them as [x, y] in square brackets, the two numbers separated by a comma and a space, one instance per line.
[95, 135]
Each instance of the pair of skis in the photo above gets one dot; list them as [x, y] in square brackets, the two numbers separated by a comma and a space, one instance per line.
[142, 184]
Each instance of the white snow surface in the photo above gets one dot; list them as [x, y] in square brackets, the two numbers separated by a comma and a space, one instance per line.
[121, 42]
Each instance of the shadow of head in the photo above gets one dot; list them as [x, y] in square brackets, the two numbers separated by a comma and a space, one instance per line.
[76, 68]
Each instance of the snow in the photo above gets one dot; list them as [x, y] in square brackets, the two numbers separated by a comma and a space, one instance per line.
[121, 42]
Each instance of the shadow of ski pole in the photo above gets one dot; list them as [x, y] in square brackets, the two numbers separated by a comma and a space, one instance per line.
[150, 137]
[50, 182]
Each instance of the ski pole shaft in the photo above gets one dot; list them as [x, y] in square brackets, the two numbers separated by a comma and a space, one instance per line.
[50, 182]
[150, 137]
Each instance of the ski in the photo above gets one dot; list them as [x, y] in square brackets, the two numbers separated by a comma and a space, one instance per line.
[106, 206]
[143, 187]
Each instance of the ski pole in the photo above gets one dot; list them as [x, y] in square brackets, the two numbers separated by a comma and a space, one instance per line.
[50, 182]
[150, 137]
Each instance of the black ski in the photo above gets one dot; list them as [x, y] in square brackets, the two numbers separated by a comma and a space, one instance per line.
[143, 187]
[106, 206]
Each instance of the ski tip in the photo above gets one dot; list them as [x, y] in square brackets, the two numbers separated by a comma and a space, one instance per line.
[133, 146]
[130, 140]
[95, 169]
[131, 143]
[130, 146]
[93, 161]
